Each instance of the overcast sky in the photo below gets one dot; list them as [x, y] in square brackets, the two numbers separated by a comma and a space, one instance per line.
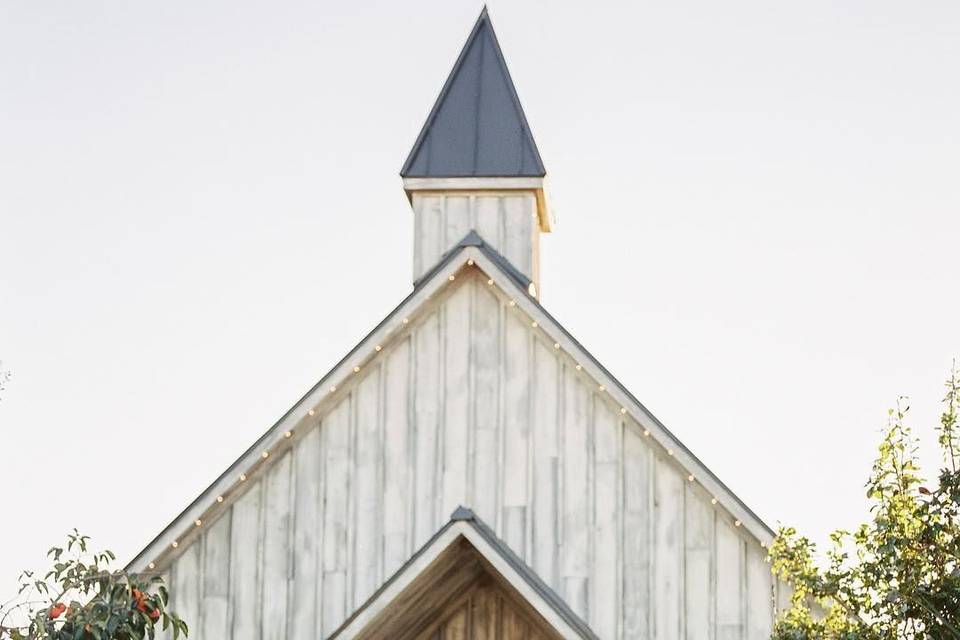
[200, 213]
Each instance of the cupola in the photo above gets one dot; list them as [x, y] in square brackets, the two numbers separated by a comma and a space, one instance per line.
[475, 165]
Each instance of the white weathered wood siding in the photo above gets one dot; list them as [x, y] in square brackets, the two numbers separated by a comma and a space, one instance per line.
[508, 221]
[472, 405]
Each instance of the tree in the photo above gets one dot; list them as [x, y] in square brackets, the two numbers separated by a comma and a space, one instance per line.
[898, 575]
[80, 598]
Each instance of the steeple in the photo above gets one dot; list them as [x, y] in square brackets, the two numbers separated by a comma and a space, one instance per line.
[477, 127]
[475, 164]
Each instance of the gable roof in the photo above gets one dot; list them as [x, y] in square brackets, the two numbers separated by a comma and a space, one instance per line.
[465, 525]
[471, 252]
[477, 127]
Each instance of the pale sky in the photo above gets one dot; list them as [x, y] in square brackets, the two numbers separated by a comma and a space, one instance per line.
[200, 214]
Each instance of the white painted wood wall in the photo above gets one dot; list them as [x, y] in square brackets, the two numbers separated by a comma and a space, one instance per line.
[507, 220]
[472, 406]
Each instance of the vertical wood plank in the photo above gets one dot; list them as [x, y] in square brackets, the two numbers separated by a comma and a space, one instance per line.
[458, 219]
[456, 423]
[307, 534]
[336, 485]
[514, 525]
[367, 496]
[167, 634]
[516, 423]
[605, 566]
[486, 377]
[396, 429]
[429, 232]
[245, 563]
[276, 549]
[729, 559]
[186, 584]
[784, 593]
[488, 219]
[518, 231]
[513, 625]
[427, 428]
[668, 567]
[576, 525]
[638, 542]
[484, 613]
[456, 627]
[759, 594]
[546, 464]
[698, 568]
[216, 579]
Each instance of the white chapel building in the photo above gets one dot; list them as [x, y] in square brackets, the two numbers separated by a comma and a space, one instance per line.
[469, 471]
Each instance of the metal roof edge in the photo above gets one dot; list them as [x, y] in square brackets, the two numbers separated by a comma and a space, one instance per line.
[466, 516]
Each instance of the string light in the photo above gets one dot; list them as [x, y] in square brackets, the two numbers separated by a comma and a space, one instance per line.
[175, 544]
[377, 348]
[287, 434]
[646, 432]
[669, 452]
[452, 277]
[513, 303]
[713, 501]
[265, 454]
[534, 324]
[152, 565]
[601, 388]
[243, 477]
[333, 389]
[736, 523]
[356, 369]
[219, 499]
[470, 262]
[198, 522]
[690, 477]
[406, 320]
[556, 345]
[579, 368]
[623, 409]
[311, 412]
[490, 281]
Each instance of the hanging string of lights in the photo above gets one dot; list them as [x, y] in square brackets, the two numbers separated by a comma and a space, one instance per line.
[312, 412]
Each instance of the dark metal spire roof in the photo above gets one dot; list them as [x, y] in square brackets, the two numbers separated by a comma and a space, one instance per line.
[477, 126]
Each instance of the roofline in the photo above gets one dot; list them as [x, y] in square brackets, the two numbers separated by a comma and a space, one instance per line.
[515, 284]
[464, 523]
[627, 400]
[483, 17]
[293, 415]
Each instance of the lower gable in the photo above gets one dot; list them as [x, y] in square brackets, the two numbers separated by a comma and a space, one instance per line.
[471, 404]
[459, 596]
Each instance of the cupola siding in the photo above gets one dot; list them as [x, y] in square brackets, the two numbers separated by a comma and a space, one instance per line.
[469, 470]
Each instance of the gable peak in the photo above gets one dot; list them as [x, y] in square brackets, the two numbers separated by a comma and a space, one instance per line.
[477, 127]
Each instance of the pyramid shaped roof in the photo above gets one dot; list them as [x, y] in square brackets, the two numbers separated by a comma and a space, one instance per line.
[477, 127]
